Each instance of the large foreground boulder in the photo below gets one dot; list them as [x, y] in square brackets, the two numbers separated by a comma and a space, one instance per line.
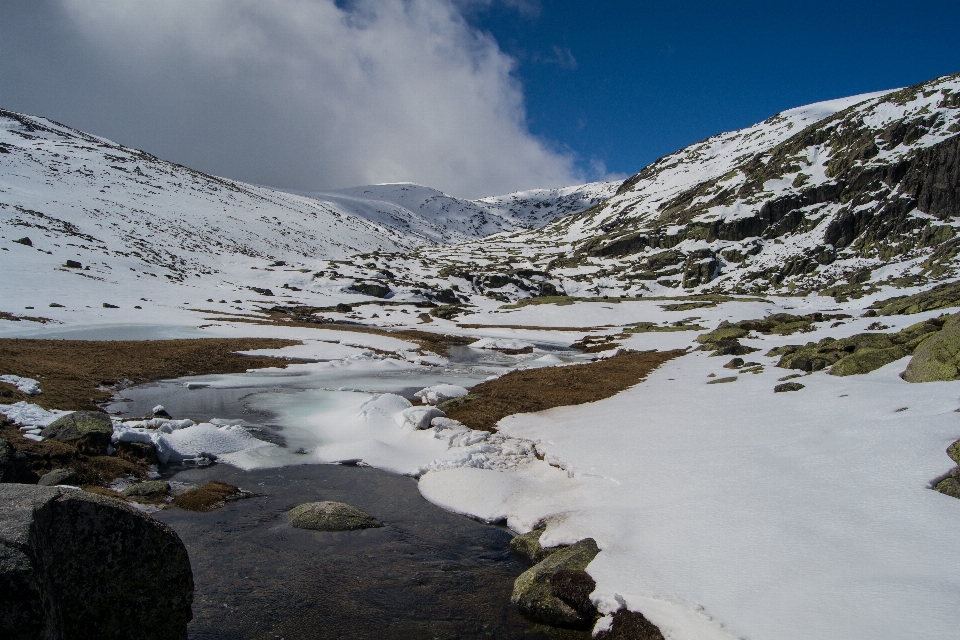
[88, 431]
[14, 466]
[938, 358]
[79, 565]
[556, 591]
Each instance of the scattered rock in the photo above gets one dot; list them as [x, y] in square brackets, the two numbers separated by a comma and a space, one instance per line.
[723, 380]
[371, 289]
[210, 496]
[857, 354]
[954, 452]
[88, 431]
[77, 565]
[790, 377]
[630, 625]
[939, 357]
[72, 264]
[58, 476]
[788, 386]
[24, 241]
[344, 308]
[725, 331]
[736, 363]
[331, 516]
[149, 491]
[940, 297]
[534, 595]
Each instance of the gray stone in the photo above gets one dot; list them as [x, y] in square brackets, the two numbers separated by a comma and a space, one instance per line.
[331, 516]
[552, 591]
[76, 565]
[58, 476]
[89, 431]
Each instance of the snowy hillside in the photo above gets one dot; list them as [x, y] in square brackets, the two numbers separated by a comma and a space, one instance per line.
[813, 198]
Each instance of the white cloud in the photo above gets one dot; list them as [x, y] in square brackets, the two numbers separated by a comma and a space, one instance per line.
[306, 94]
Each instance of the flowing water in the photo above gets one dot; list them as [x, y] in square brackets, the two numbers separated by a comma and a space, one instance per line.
[427, 573]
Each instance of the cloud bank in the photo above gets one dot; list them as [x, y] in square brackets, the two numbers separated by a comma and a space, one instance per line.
[305, 94]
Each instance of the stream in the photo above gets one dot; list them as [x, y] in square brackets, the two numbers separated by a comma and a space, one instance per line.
[427, 573]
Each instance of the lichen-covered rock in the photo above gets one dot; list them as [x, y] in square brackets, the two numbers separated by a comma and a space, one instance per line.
[937, 358]
[331, 516]
[78, 565]
[788, 386]
[88, 431]
[725, 331]
[630, 625]
[563, 606]
[954, 452]
[949, 486]
[14, 466]
[151, 490]
[528, 547]
[867, 360]
[210, 496]
[57, 477]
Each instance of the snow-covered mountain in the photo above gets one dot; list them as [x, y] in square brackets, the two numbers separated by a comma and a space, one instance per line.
[829, 196]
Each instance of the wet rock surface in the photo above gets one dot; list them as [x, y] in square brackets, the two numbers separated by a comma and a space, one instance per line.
[78, 565]
[426, 574]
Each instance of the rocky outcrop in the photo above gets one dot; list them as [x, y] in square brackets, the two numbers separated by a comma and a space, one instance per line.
[88, 431]
[331, 516]
[556, 590]
[528, 547]
[78, 565]
[939, 357]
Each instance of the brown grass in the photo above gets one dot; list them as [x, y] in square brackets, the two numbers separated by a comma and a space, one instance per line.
[52, 454]
[539, 389]
[210, 496]
[71, 372]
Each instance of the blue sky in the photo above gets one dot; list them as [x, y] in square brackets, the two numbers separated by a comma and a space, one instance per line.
[627, 82]
[473, 97]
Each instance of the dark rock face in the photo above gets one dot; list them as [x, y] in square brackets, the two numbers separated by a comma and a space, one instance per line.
[89, 431]
[371, 289]
[552, 591]
[78, 565]
[14, 466]
[331, 516]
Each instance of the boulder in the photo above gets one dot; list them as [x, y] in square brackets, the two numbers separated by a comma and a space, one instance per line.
[151, 490]
[79, 565]
[938, 357]
[88, 431]
[949, 486]
[787, 386]
[630, 625]
[556, 590]
[58, 476]
[331, 516]
[14, 466]
[528, 547]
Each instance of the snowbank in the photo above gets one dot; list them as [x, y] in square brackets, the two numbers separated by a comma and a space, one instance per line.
[440, 393]
[28, 386]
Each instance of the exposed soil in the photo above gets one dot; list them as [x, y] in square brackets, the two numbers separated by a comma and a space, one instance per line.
[77, 374]
[539, 389]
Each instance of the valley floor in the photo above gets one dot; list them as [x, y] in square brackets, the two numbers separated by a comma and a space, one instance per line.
[721, 510]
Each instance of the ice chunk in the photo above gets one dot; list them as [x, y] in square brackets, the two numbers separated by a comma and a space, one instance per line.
[419, 417]
[508, 344]
[439, 393]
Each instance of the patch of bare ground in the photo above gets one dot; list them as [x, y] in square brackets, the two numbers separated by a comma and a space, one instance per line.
[77, 374]
[531, 390]
[530, 327]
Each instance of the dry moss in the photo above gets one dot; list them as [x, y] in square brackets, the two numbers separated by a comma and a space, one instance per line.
[77, 374]
[539, 389]
[210, 496]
